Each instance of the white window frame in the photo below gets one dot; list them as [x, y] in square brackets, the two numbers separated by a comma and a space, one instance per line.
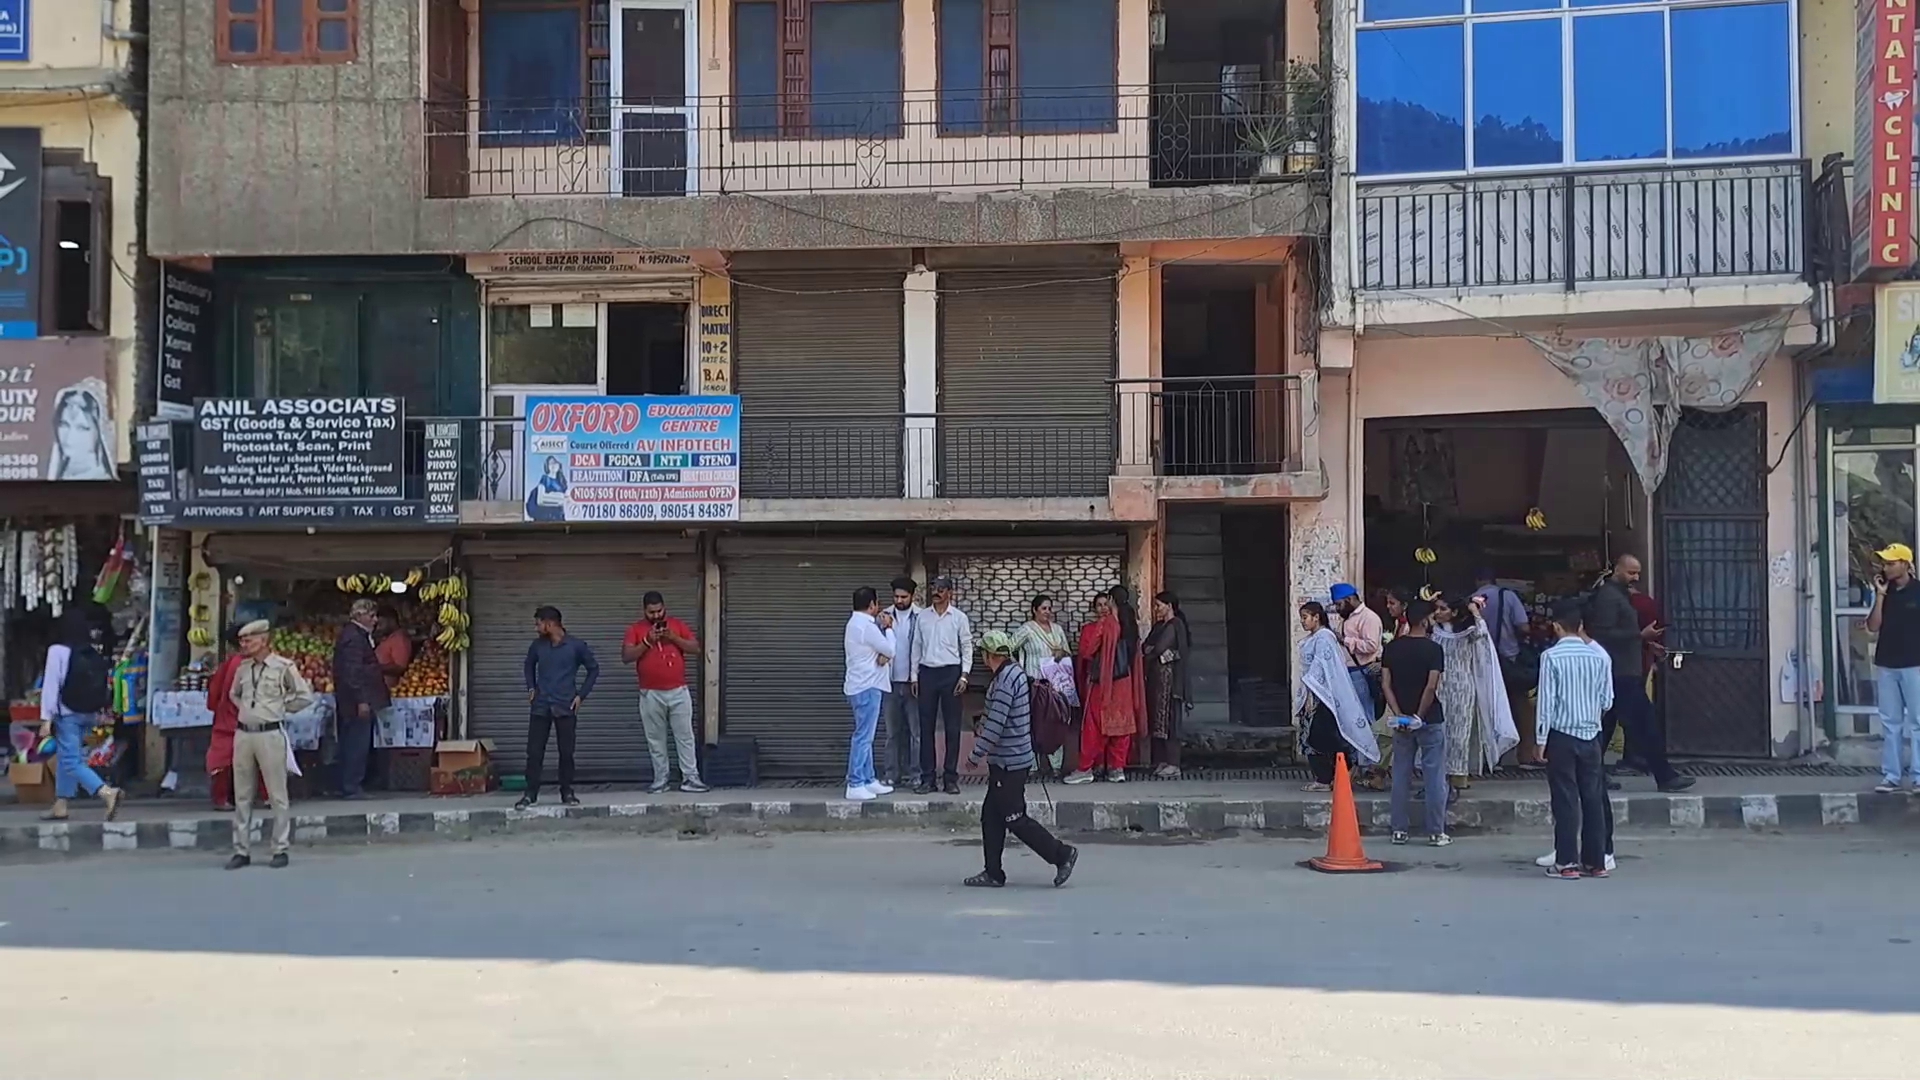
[1566, 13]
[616, 87]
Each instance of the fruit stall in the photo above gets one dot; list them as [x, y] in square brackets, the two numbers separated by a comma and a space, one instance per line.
[422, 627]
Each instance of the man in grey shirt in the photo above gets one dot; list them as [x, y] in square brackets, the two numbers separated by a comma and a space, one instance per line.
[901, 767]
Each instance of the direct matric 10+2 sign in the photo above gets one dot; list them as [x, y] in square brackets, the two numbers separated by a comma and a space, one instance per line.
[633, 459]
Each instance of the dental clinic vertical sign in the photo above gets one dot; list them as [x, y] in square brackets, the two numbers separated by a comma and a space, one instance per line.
[19, 232]
[14, 17]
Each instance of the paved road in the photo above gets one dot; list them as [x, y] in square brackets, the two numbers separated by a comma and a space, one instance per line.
[858, 956]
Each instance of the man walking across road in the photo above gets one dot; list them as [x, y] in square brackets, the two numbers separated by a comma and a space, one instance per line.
[554, 693]
[1577, 686]
[359, 694]
[658, 646]
[1612, 622]
[942, 660]
[870, 649]
[267, 689]
[1895, 619]
[899, 710]
[1004, 741]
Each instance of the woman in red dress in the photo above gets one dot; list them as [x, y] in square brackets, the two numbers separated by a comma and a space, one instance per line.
[1114, 705]
[226, 718]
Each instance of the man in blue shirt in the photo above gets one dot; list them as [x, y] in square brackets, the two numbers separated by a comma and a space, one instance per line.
[1576, 690]
[554, 693]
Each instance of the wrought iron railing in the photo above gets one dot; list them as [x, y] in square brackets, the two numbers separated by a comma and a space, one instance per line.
[925, 140]
[1667, 223]
[1218, 426]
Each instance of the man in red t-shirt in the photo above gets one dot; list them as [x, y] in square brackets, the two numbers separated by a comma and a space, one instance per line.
[658, 646]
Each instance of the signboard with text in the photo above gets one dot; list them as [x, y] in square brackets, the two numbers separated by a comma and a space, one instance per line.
[298, 461]
[56, 416]
[15, 18]
[633, 459]
[19, 233]
[1883, 135]
[186, 340]
[1896, 345]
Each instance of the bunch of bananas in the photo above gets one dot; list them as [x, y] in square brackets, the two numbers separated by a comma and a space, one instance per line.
[1425, 556]
[370, 584]
[453, 621]
[1428, 593]
[453, 588]
[200, 637]
[1536, 520]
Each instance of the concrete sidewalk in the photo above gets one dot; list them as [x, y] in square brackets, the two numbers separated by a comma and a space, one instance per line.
[1173, 807]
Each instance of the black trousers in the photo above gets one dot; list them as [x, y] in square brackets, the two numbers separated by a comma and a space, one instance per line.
[1632, 710]
[538, 724]
[937, 702]
[356, 746]
[1324, 741]
[1005, 811]
[1581, 812]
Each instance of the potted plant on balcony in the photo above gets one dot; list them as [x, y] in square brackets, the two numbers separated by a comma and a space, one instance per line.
[1264, 139]
[1306, 113]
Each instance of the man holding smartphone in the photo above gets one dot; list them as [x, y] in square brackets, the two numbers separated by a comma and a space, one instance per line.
[1895, 622]
[658, 646]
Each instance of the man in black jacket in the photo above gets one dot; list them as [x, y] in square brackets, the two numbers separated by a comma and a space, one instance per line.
[1612, 622]
[359, 694]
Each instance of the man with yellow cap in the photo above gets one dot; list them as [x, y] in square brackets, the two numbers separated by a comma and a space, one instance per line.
[1895, 622]
[267, 689]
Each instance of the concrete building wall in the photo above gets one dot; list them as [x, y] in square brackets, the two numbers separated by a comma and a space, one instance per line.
[329, 160]
[1829, 44]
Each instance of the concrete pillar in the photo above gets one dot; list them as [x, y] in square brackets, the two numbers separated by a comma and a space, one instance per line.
[922, 300]
[710, 646]
[1139, 358]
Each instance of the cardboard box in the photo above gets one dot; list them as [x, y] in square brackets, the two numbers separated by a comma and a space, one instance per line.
[32, 782]
[462, 767]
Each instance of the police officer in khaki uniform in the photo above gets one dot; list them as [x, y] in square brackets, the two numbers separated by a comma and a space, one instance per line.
[267, 688]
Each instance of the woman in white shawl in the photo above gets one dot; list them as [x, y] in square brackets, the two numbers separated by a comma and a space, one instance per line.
[1472, 695]
[1332, 719]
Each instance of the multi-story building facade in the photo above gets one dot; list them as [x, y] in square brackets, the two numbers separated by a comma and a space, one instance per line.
[70, 152]
[1024, 292]
[1575, 270]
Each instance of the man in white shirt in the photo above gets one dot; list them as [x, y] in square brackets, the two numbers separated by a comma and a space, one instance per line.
[901, 766]
[870, 652]
[942, 660]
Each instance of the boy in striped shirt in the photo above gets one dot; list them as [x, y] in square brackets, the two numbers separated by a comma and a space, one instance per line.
[1575, 691]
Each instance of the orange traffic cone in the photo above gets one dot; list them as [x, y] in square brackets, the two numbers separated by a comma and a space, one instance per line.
[1345, 855]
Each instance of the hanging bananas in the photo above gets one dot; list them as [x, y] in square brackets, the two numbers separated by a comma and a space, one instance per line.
[1428, 593]
[1536, 520]
[200, 637]
[1425, 556]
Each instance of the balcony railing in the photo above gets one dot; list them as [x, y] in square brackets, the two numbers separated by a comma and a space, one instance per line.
[1570, 229]
[1100, 137]
[1218, 426]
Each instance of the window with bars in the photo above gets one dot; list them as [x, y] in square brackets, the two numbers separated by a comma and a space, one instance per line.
[817, 69]
[1031, 66]
[546, 72]
[287, 31]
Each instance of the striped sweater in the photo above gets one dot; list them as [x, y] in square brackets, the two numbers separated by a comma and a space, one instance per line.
[1006, 732]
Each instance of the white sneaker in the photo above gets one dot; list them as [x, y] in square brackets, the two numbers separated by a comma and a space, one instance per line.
[1547, 860]
[860, 794]
[879, 788]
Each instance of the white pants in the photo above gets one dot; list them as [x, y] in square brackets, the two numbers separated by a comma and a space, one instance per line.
[664, 711]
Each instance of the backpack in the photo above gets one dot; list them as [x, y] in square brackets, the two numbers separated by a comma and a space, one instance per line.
[85, 690]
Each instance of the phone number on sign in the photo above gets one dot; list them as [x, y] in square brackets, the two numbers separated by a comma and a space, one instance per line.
[652, 512]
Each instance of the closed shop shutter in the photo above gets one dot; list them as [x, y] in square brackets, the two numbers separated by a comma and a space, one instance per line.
[1026, 342]
[599, 595]
[784, 605]
[817, 362]
[995, 584]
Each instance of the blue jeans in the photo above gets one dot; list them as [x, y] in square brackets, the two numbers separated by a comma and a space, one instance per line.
[1899, 720]
[1362, 689]
[866, 716]
[1429, 745]
[71, 771]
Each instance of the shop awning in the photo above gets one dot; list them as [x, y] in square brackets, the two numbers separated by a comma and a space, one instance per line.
[324, 555]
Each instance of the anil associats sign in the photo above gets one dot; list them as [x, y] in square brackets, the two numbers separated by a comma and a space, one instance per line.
[1883, 135]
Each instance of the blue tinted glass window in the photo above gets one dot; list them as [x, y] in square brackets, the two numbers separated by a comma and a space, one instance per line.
[963, 64]
[1619, 87]
[1412, 91]
[1732, 84]
[1494, 7]
[756, 68]
[1379, 10]
[530, 75]
[855, 56]
[1067, 71]
[1607, 3]
[1517, 93]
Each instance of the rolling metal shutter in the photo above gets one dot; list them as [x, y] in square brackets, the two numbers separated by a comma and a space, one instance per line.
[598, 593]
[995, 583]
[1026, 342]
[783, 614]
[818, 364]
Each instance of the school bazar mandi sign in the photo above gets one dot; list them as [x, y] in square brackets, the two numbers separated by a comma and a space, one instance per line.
[56, 422]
